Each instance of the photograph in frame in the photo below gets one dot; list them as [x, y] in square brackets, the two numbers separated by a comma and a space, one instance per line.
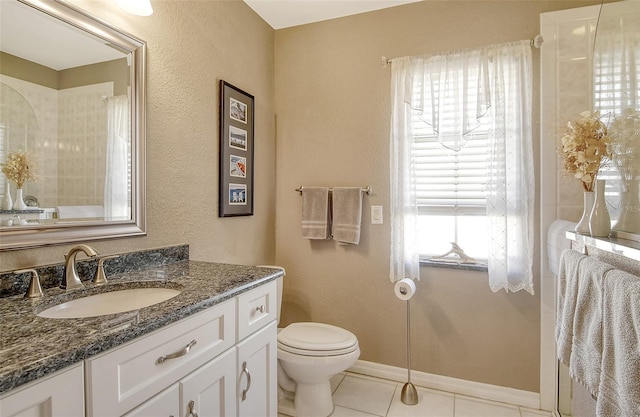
[237, 138]
[238, 166]
[236, 156]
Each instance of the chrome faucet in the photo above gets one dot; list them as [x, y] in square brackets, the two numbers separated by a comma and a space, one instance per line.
[71, 279]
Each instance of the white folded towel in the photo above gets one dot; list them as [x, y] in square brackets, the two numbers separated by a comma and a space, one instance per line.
[347, 214]
[79, 212]
[620, 382]
[566, 303]
[586, 346]
[315, 213]
[557, 242]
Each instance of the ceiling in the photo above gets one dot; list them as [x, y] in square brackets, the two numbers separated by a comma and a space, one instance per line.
[21, 28]
[281, 14]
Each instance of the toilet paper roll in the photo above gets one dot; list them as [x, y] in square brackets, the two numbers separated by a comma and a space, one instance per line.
[405, 288]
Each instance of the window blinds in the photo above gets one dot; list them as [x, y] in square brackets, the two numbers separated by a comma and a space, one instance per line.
[448, 181]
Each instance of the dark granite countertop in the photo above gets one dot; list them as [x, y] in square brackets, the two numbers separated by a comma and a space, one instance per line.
[31, 346]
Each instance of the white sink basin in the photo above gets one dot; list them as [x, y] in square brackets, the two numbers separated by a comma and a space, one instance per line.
[109, 303]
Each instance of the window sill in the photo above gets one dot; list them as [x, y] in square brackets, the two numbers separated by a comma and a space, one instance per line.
[452, 265]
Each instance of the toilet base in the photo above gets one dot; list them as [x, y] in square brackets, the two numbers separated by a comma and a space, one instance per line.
[313, 400]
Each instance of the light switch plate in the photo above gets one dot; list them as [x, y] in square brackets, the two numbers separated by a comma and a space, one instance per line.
[376, 214]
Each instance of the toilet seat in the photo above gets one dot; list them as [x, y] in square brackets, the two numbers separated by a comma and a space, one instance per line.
[316, 339]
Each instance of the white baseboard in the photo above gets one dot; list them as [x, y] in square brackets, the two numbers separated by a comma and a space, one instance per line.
[453, 385]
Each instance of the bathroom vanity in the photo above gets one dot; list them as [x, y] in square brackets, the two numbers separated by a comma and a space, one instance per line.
[209, 351]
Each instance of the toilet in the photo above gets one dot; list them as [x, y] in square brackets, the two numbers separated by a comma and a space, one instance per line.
[309, 355]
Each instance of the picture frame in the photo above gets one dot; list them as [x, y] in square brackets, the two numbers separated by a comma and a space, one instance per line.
[235, 190]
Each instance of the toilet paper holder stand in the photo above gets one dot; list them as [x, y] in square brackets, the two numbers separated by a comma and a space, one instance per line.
[409, 394]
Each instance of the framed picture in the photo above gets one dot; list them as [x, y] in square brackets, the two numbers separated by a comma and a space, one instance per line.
[236, 152]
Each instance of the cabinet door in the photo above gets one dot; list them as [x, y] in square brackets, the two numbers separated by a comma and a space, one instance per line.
[210, 391]
[164, 404]
[61, 394]
[257, 372]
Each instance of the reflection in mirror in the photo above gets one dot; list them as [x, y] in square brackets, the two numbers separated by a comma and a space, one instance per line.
[617, 97]
[72, 98]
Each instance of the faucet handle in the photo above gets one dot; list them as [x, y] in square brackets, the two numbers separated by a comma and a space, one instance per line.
[35, 290]
[101, 277]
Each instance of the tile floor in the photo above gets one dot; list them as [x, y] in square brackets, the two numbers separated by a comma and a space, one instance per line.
[362, 396]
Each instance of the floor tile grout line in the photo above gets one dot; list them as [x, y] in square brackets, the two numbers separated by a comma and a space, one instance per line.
[393, 396]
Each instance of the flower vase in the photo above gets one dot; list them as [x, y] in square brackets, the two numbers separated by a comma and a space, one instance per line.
[629, 218]
[7, 201]
[582, 228]
[19, 204]
[599, 221]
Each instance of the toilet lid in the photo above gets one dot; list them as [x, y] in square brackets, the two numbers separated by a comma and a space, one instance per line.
[316, 339]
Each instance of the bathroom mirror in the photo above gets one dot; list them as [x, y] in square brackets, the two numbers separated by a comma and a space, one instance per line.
[616, 66]
[72, 96]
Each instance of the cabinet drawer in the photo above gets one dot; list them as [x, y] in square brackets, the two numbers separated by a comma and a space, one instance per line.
[122, 378]
[256, 308]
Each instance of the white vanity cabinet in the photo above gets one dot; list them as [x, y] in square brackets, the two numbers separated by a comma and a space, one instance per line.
[59, 394]
[220, 362]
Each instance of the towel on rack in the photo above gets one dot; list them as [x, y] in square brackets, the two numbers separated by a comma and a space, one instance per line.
[315, 213]
[566, 302]
[619, 385]
[347, 214]
[586, 346]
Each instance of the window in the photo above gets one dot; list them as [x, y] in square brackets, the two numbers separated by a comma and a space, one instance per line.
[451, 191]
[461, 160]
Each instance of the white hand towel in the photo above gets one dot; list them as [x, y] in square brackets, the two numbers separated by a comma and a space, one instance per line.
[347, 214]
[586, 346]
[566, 305]
[315, 213]
[620, 382]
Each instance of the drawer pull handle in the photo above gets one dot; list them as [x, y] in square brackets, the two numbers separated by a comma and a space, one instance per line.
[245, 370]
[177, 354]
[260, 309]
[192, 412]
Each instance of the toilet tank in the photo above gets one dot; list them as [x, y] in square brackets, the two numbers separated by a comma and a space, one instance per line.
[279, 284]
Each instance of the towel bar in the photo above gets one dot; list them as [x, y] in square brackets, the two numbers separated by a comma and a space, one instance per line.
[367, 190]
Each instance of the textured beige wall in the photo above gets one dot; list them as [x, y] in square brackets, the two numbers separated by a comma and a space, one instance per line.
[17, 67]
[116, 70]
[332, 107]
[191, 46]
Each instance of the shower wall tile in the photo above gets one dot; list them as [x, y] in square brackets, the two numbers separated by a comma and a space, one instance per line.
[41, 144]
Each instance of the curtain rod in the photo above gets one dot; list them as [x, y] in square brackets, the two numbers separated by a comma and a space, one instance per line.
[535, 42]
[367, 190]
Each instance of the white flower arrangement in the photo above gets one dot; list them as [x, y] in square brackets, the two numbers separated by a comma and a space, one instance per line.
[19, 168]
[625, 144]
[584, 145]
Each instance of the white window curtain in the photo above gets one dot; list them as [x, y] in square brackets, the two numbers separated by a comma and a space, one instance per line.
[116, 189]
[492, 82]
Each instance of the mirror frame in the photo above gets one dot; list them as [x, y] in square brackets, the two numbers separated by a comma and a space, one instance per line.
[24, 237]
